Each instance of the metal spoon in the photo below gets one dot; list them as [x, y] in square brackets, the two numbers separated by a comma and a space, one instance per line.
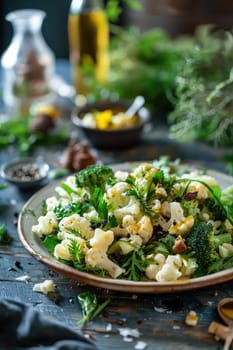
[135, 106]
[225, 311]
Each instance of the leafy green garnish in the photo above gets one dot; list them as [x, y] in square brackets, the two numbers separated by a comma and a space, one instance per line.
[71, 208]
[5, 238]
[67, 188]
[43, 207]
[77, 254]
[91, 306]
[3, 187]
[50, 241]
[134, 264]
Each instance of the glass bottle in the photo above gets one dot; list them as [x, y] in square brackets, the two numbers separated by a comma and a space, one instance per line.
[88, 32]
[28, 64]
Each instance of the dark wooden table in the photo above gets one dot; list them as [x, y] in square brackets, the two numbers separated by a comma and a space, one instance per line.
[160, 318]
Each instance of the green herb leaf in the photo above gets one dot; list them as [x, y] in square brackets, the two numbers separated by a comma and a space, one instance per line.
[77, 254]
[5, 238]
[71, 208]
[50, 241]
[91, 305]
[134, 265]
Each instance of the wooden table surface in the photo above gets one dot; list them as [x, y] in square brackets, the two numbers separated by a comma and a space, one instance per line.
[160, 318]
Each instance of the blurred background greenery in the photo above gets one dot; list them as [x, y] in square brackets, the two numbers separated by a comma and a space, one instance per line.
[177, 53]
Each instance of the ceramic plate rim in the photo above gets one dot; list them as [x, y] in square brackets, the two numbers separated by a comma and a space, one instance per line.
[35, 248]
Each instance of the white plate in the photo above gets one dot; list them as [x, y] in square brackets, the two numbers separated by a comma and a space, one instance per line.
[35, 247]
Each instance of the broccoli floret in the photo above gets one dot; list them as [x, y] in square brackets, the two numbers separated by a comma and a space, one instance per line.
[94, 176]
[168, 241]
[204, 244]
[215, 209]
[199, 240]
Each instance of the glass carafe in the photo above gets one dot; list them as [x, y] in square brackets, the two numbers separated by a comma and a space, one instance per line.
[28, 63]
[89, 43]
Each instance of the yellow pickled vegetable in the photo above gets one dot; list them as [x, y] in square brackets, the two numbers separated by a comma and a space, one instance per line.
[109, 119]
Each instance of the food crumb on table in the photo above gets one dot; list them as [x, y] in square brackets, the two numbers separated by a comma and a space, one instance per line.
[45, 287]
[191, 318]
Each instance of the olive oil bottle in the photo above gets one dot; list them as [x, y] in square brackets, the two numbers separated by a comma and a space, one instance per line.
[88, 42]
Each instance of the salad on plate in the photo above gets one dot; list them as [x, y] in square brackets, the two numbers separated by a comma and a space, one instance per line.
[155, 222]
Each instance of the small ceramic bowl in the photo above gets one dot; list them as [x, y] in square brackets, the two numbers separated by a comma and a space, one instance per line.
[115, 138]
[25, 173]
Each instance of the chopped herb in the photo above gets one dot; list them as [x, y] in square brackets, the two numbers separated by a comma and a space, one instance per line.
[71, 208]
[67, 188]
[43, 207]
[134, 265]
[77, 254]
[91, 306]
[50, 241]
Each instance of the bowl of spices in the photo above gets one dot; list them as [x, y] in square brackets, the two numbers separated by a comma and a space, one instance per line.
[25, 173]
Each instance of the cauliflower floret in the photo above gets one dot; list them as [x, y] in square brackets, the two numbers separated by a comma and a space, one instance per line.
[70, 181]
[202, 190]
[51, 203]
[77, 223]
[226, 250]
[47, 224]
[228, 225]
[62, 250]
[102, 239]
[170, 270]
[115, 195]
[189, 266]
[128, 220]
[165, 224]
[97, 255]
[132, 208]
[182, 227]
[91, 215]
[136, 240]
[179, 224]
[121, 175]
[153, 269]
[156, 206]
[166, 209]
[45, 287]
[119, 231]
[161, 192]
[143, 227]
[144, 175]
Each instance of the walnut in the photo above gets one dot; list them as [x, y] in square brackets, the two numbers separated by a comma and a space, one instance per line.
[179, 245]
